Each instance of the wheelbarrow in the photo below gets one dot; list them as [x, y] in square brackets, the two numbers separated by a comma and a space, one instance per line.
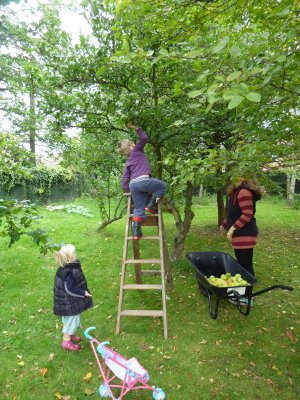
[207, 264]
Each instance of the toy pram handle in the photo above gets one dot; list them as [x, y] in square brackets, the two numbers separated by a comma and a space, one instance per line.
[100, 349]
[87, 332]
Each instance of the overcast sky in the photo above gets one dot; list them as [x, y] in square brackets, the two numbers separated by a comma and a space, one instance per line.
[71, 22]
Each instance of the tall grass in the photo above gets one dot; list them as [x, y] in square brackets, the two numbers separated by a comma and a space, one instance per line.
[233, 357]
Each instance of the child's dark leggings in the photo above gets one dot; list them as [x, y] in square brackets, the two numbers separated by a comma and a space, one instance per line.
[245, 259]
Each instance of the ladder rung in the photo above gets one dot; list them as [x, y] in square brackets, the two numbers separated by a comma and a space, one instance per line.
[143, 313]
[147, 215]
[151, 272]
[143, 287]
[136, 261]
[144, 237]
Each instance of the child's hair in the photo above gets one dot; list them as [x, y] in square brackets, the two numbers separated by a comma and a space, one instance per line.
[250, 182]
[124, 145]
[65, 255]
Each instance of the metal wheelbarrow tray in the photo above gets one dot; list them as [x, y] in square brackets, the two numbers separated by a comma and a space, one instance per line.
[207, 264]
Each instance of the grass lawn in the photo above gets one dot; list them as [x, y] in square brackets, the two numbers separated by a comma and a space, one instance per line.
[231, 358]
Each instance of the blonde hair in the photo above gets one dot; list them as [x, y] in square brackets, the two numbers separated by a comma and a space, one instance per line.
[65, 255]
[124, 146]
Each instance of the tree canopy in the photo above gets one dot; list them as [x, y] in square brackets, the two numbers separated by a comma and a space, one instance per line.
[214, 83]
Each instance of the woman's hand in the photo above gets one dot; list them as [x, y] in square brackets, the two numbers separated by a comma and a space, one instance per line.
[87, 294]
[222, 229]
[230, 233]
[131, 126]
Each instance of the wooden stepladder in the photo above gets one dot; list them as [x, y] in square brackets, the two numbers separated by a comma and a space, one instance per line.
[163, 270]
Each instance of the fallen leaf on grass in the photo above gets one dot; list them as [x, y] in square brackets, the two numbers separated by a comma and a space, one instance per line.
[43, 371]
[89, 392]
[57, 396]
[270, 382]
[291, 336]
[21, 364]
[88, 377]
[252, 363]
[276, 369]
[51, 356]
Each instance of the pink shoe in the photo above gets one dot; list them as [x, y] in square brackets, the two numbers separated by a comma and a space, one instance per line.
[69, 346]
[75, 339]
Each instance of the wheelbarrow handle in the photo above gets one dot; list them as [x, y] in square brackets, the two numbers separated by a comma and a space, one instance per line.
[87, 332]
[271, 288]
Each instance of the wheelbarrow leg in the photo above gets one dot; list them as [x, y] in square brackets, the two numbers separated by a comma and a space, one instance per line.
[213, 314]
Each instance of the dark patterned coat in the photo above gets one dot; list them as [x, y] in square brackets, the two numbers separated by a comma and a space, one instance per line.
[66, 302]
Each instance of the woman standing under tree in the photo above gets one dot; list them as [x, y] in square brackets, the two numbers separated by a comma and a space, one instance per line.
[241, 223]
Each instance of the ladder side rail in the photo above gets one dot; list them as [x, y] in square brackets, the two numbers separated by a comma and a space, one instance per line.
[167, 265]
[137, 256]
[162, 266]
[124, 258]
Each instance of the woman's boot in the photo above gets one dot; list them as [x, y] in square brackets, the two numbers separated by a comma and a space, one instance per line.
[136, 228]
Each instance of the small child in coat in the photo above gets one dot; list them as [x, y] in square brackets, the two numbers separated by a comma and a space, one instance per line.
[71, 295]
[137, 180]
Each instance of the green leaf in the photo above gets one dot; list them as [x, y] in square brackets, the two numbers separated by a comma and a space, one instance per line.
[235, 51]
[256, 70]
[283, 12]
[220, 46]
[253, 96]
[235, 101]
[267, 79]
[292, 34]
[101, 71]
[125, 46]
[194, 93]
[203, 75]
[177, 88]
[234, 75]
[178, 122]
[281, 59]
[193, 54]
[163, 52]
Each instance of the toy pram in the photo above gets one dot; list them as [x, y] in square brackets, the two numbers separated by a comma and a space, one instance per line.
[208, 263]
[113, 367]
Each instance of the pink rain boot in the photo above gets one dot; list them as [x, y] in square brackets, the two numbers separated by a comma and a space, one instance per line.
[75, 339]
[69, 346]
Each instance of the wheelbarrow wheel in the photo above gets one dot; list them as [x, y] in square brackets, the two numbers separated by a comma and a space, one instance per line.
[159, 394]
[103, 391]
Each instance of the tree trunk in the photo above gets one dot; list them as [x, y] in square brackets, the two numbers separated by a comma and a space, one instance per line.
[221, 207]
[32, 128]
[201, 191]
[290, 188]
[182, 226]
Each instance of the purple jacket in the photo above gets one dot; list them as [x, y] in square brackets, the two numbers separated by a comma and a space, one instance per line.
[137, 163]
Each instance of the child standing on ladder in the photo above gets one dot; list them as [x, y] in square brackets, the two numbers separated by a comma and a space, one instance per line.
[137, 180]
